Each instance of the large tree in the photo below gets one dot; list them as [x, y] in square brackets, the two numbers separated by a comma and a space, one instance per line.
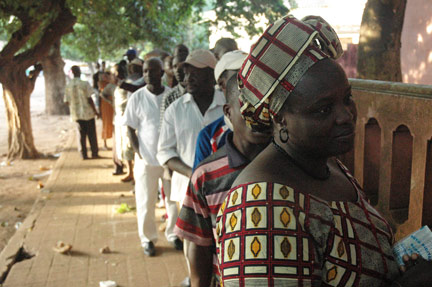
[34, 30]
[55, 81]
[35, 26]
[104, 27]
[380, 40]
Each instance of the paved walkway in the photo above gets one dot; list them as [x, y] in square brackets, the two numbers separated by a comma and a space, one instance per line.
[80, 209]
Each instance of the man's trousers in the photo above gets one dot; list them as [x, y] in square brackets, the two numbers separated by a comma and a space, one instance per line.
[87, 129]
[146, 194]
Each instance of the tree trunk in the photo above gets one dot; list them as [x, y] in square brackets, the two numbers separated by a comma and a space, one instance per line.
[380, 40]
[55, 82]
[13, 64]
[17, 88]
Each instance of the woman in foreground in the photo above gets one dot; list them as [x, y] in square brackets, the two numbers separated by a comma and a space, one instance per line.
[295, 216]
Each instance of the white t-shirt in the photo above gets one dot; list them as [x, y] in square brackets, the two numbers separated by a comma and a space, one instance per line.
[143, 114]
[179, 132]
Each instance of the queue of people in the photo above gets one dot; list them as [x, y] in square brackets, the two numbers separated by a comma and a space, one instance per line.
[242, 149]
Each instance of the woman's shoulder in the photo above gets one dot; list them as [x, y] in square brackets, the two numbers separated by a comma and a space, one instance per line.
[259, 170]
[248, 175]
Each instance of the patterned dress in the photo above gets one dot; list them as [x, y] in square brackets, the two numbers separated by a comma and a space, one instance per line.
[271, 235]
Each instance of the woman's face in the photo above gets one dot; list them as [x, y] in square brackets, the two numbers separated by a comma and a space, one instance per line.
[320, 114]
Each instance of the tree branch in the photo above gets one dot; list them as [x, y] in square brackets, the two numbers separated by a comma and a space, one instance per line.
[18, 40]
[62, 25]
[28, 26]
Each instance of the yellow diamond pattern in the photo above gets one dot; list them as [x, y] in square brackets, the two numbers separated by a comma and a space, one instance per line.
[222, 208]
[233, 221]
[255, 246]
[285, 247]
[231, 249]
[285, 217]
[256, 217]
[234, 197]
[284, 192]
[256, 191]
[331, 274]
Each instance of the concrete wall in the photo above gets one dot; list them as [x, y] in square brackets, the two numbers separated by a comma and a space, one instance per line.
[393, 150]
[416, 50]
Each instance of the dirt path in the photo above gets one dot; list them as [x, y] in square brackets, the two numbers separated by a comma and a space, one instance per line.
[17, 191]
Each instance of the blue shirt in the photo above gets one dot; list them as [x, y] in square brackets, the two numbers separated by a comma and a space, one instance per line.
[210, 139]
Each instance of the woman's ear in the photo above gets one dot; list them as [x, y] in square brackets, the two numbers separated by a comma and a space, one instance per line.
[279, 121]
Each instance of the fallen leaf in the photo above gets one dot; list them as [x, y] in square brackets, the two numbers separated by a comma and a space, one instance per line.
[124, 207]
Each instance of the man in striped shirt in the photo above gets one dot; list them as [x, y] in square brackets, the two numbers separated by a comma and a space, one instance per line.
[209, 184]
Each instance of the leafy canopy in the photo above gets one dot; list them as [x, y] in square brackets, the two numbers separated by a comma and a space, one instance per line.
[105, 28]
[245, 13]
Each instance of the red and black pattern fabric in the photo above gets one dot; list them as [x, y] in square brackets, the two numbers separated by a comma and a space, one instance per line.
[209, 184]
[271, 235]
[278, 60]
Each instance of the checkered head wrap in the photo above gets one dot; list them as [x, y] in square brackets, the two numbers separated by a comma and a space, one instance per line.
[276, 63]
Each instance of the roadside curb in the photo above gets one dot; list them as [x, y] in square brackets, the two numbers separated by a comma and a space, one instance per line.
[15, 245]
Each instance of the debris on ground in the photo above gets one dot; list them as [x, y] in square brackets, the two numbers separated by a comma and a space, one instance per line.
[124, 207]
[40, 185]
[6, 163]
[4, 224]
[18, 224]
[105, 250]
[40, 175]
[108, 283]
[44, 168]
[62, 248]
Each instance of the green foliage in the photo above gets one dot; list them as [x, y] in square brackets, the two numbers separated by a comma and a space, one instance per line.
[105, 27]
[243, 13]
[13, 13]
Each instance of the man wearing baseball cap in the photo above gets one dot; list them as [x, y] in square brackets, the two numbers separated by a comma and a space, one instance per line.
[213, 136]
[130, 54]
[185, 117]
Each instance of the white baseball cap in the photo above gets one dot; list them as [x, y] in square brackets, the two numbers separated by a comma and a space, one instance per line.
[232, 60]
[201, 59]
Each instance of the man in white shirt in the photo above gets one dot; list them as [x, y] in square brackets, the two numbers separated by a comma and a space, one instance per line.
[142, 119]
[186, 116]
